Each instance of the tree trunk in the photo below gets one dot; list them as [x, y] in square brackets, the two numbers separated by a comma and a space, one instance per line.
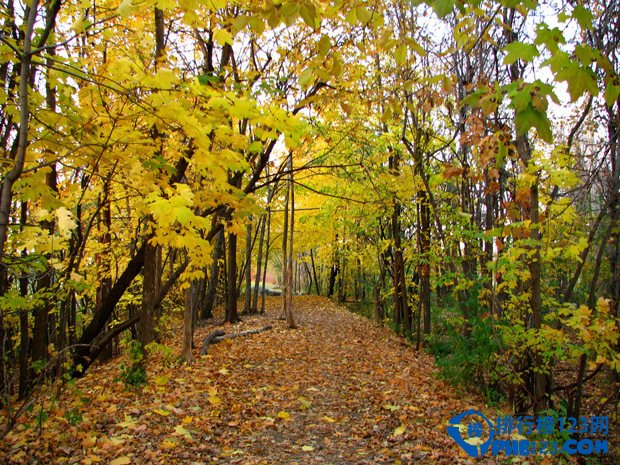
[152, 255]
[82, 358]
[24, 340]
[540, 386]
[317, 285]
[285, 289]
[248, 269]
[214, 277]
[150, 291]
[333, 273]
[290, 317]
[103, 258]
[6, 193]
[397, 265]
[425, 273]
[259, 264]
[262, 305]
[231, 282]
[342, 289]
[192, 301]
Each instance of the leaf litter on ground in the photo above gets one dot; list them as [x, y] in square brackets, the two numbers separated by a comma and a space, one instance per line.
[338, 390]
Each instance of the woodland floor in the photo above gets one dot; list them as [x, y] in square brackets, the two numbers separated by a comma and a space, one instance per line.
[337, 390]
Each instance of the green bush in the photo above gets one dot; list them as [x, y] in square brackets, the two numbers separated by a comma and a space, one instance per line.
[463, 350]
[133, 374]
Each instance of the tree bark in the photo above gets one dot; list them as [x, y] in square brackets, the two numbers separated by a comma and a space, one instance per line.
[248, 269]
[152, 254]
[262, 305]
[334, 270]
[81, 358]
[285, 289]
[192, 298]
[24, 340]
[259, 264]
[290, 317]
[214, 277]
[397, 265]
[425, 250]
[540, 385]
[232, 316]
[317, 285]
[150, 291]
[6, 194]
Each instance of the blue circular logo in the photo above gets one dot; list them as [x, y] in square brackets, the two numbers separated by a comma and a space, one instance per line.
[475, 429]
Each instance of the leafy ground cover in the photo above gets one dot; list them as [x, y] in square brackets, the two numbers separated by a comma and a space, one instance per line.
[340, 389]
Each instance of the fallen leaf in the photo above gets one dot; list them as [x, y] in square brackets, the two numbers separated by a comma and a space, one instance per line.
[89, 442]
[90, 459]
[214, 400]
[162, 380]
[391, 407]
[124, 460]
[169, 444]
[182, 432]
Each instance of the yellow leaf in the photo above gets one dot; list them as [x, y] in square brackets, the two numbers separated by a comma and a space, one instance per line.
[401, 55]
[222, 37]
[363, 14]
[307, 448]
[256, 24]
[391, 407]
[182, 431]
[161, 412]
[306, 78]
[600, 359]
[88, 460]
[328, 419]
[169, 444]
[126, 8]
[400, 430]
[162, 380]
[223, 371]
[129, 422]
[284, 415]
[239, 23]
[214, 400]
[118, 440]
[124, 460]
[65, 222]
[325, 45]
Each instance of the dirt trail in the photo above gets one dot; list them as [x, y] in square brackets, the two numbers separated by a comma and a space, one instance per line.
[338, 390]
[346, 390]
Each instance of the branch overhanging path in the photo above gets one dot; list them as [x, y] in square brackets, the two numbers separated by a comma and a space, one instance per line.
[339, 389]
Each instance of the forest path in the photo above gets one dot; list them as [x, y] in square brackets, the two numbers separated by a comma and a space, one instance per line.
[338, 390]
